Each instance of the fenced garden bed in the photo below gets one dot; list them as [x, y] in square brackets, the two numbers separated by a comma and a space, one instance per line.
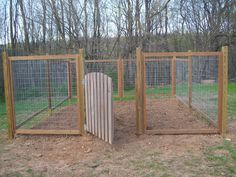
[175, 93]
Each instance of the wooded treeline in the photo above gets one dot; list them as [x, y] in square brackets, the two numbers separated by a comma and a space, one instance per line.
[112, 28]
[117, 27]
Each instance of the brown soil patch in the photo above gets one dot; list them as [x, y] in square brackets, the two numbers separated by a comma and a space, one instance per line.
[172, 114]
[130, 155]
[63, 118]
[161, 114]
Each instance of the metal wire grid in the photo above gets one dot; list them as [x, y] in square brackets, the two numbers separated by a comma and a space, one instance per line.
[158, 91]
[41, 95]
[108, 68]
[3, 121]
[158, 77]
[129, 77]
[182, 79]
[30, 82]
[73, 77]
[232, 83]
[205, 85]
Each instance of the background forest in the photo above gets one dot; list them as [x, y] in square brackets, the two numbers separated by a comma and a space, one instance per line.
[106, 28]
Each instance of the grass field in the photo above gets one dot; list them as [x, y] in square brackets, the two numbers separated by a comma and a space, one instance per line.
[200, 93]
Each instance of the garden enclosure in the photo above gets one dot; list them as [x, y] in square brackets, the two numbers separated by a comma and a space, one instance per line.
[197, 80]
[45, 94]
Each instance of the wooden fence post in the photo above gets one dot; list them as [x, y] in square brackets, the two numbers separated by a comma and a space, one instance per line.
[80, 89]
[190, 74]
[140, 93]
[120, 72]
[222, 91]
[173, 77]
[69, 79]
[49, 87]
[9, 96]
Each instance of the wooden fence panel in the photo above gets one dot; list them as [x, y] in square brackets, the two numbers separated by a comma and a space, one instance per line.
[99, 106]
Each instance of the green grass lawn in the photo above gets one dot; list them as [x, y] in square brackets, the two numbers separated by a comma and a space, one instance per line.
[222, 158]
[27, 107]
[3, 122]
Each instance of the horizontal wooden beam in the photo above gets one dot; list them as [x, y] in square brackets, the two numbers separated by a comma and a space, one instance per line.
[157, 59]
[47, 132]
[181, 59]
[98, 61]
[43, 57]
[180, 54]
[182, 131]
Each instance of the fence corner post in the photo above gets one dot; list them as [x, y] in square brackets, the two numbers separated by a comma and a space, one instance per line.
[80, 89]
[120, 67]
[8, 96]
[190, 75]
[223, 86]
[140, 93]
[173, 75]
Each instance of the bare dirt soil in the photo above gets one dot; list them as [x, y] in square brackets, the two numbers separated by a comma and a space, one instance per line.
[161, 114]
[173, 114]
[63, 118]
[130, 155]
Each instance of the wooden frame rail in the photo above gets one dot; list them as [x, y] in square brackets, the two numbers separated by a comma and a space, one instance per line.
[182, 131]
[43, 57]
[179, 54]
[120, 73]
[9, 97]
[47, 132]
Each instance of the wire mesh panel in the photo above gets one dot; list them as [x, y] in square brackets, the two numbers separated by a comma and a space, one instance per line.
[73, 79]
[232, 84]
[182, 79]
[205, 85]
[158, 77]
[41, 95]
[129, 78]
[158, 90]
[106, 67]
[3, 120]
[173, 85]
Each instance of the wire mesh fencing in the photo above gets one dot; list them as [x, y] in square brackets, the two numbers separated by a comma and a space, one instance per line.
[205, 86]
[158, 77]
[232, 84]
[41, 95]
[129, 78]
[182, 79]
[106, 67]
[175, 84]
[46, 91]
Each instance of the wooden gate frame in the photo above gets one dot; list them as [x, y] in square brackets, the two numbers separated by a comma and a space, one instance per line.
[140, 85]
[9, 94]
